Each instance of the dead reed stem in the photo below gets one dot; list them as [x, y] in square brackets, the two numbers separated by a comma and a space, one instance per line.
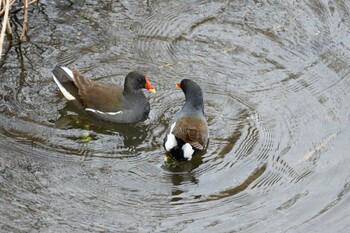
[9, 30]
[4, 24]
[11, 3]
[25, 21]
[4, 9]
[5, 6]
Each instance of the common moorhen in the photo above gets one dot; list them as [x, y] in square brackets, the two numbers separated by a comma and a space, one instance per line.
[108, 102]
[189, 130]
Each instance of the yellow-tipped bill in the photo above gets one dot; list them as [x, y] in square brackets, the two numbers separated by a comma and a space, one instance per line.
[149, 86]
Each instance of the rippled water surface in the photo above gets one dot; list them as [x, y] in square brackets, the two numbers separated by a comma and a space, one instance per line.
[276, 82]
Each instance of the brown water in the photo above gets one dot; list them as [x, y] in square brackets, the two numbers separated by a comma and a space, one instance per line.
[276, 81]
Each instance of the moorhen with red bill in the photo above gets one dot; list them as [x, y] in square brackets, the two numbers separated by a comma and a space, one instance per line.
[188, 132]
[104, 101]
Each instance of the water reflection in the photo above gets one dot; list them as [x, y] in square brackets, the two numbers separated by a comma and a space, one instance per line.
[132, 134]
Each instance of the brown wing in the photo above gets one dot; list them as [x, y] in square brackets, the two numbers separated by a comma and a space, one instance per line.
[100, 96]
[193, 130]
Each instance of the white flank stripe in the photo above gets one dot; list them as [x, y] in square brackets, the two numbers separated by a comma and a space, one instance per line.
[63, 90]
[172, 127]
[68, 71]
[105, 113]
[188, 151]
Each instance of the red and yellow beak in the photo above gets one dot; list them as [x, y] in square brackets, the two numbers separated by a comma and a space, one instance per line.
[149, 86]
[178, 85]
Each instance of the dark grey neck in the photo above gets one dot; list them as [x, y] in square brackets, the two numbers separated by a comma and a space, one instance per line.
[194, 100]
[194, 105]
